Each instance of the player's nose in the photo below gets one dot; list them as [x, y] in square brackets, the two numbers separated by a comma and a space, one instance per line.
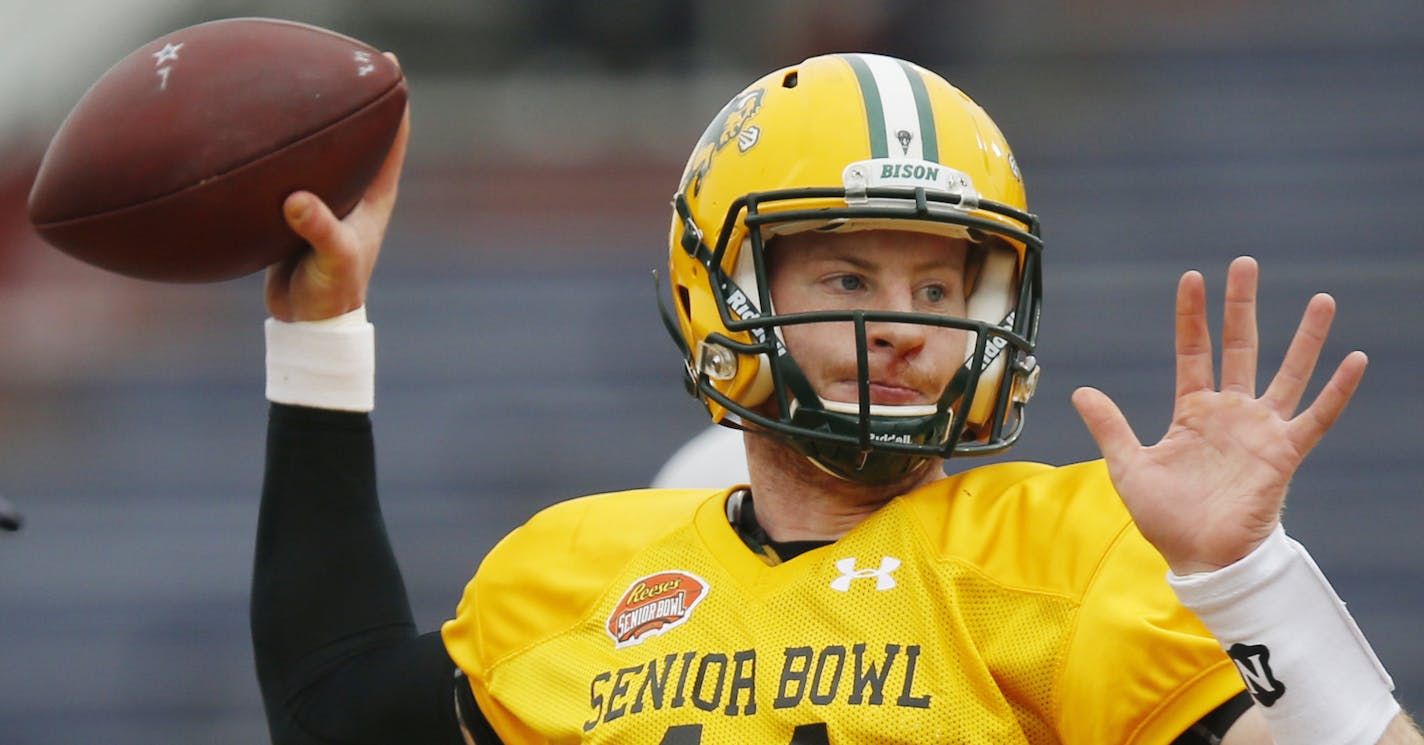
[894, 335]
[900, 338]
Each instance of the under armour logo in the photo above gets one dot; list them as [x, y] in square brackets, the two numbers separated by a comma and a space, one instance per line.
[1254, 662]
[849, 573]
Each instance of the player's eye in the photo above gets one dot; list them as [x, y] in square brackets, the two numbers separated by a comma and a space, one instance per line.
[848, 282]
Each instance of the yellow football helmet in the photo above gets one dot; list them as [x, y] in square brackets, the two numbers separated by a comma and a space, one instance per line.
[850, 142]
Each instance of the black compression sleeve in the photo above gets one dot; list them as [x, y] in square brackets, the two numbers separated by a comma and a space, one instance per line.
[1213, 726]
[338, 657]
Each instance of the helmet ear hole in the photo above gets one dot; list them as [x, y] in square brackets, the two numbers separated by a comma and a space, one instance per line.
[684, 302]
[790, 80]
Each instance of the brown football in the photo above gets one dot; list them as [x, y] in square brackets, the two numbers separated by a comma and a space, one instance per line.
[174, 165]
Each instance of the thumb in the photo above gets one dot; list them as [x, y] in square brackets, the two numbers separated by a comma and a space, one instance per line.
[1105, 422]
[311, 219]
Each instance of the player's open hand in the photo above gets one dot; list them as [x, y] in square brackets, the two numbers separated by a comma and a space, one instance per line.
[1212, 489]
[332, 277]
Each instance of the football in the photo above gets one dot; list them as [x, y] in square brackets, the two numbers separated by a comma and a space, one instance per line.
[173, 166]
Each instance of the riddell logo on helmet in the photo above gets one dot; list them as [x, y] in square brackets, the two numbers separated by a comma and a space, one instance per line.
[654, 605]
[995, 345]
[890, 438]
[744, 309]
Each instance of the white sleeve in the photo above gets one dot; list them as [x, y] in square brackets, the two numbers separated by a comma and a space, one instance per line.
[1300, 653]
[328, 364]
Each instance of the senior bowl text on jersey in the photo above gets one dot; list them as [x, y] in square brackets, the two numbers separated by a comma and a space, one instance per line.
[856, 674]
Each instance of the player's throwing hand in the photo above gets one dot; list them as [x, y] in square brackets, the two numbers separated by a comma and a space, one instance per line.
[331, 279]
[1212, 488]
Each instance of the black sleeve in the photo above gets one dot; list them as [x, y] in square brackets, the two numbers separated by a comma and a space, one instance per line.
[338, 656]
[1213, 726]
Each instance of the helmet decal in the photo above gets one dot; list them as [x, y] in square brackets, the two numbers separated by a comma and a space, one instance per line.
[897, 106]
[906, 138]
[731, 125]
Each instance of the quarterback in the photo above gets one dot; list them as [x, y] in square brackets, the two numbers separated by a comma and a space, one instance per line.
[853, 281]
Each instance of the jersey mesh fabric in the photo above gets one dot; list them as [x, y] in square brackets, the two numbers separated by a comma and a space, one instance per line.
[954, 615]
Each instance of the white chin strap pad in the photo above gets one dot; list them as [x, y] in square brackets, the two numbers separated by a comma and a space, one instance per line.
[745, 277]
[991, 301]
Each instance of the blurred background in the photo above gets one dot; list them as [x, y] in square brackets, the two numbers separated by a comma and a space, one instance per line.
[521, 357]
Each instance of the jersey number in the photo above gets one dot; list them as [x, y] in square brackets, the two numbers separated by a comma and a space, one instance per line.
[691, 734]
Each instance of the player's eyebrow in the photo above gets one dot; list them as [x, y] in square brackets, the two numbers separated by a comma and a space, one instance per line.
[935, 263]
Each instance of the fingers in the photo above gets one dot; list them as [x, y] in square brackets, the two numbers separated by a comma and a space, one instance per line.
[1105, 422]
[380, 197]
[1239, 338]
[332, 242]
[311, 219]
[1320, 416]
[379, 201]
[1288, 387]
[331, 278]
[1239, 342]
[367, 223]
[1284, 393]
[1241, 349]
[1194, 364]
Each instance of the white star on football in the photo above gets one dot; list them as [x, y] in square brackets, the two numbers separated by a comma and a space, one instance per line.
[168, 52]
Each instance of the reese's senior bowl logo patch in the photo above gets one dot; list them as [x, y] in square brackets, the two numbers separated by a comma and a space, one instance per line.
[654, 604]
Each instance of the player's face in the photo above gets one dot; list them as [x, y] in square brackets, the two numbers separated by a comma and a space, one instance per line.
[910, 364]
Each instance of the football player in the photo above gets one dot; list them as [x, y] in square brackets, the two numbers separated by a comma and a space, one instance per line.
[854, 282]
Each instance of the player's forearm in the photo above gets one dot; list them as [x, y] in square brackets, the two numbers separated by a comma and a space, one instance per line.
[338, 658]
[324, 569]
[331, 622]
[324, 578]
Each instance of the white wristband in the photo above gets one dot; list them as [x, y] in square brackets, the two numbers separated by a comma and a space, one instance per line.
[329, 364]
[1304, 660]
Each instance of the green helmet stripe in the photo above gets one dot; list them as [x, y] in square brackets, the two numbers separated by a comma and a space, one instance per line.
[929, 136]
[874, 113]
[897, 108]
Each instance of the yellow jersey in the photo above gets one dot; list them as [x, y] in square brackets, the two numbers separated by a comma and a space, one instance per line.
[1013, 603]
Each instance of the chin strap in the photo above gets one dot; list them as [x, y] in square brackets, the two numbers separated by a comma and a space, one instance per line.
[742, 517]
